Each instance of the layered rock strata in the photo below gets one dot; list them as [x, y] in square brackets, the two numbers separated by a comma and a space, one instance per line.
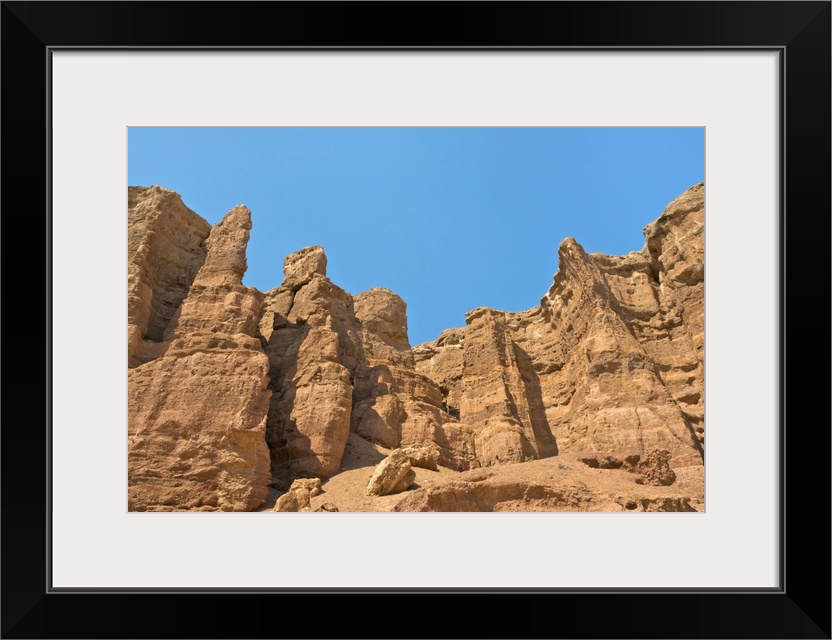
[232, 390]
[165, 249]
[611, 361]
[395, 405]
[342, 364]
[197, 410]
[310, 343]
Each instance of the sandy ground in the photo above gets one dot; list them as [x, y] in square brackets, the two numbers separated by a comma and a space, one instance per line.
[594, 489]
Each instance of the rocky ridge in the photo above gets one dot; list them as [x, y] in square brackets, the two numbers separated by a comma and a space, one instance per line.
[197, 395]
[234, 395]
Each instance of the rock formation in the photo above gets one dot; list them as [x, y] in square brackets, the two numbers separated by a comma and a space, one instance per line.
[165, 249]
[233, 391]
[197, 409]
[542, 486]
[392, 475]
[311, 340]
[342, 364]
[611, 361]
[294, 500]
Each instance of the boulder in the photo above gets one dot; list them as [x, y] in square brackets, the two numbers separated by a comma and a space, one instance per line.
[392, 475]
[425, 455]
[300, 267]
[293, 500]
[312, 485]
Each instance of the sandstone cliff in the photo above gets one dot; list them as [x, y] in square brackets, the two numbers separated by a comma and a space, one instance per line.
[611, 361]
[342, 364]
[232, 391]
[197, 397]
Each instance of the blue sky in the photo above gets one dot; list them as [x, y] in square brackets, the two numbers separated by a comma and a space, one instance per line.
[450, 219]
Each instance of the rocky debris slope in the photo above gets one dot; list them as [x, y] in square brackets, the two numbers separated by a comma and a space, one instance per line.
[197, 411]
[232, 390]
[559, 483]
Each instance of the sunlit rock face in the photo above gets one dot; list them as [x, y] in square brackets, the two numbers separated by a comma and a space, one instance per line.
[233, 391]
[611, 361]
[197, 400]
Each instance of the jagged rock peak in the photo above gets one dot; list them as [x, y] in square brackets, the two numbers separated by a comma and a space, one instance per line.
[571, 249]
[689, 201]
[135, 193]
[301, 266]
[381, 293]
[675, 242]
[384, 313]
[225, 262]
[165, 249]
[568, 243]
[307, 381]
[198, 398]
[479, 312]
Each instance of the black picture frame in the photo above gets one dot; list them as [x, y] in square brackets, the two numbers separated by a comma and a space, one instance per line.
[798, 31]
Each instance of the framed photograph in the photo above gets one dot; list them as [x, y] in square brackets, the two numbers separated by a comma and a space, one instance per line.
[753, 77]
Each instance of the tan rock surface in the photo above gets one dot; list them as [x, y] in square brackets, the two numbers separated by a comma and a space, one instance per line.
[610, 362]
[309, 413]
[425, 455]
[379, 419]
[296, 499]
[498, 415]
[394, 404]
[655, 468]
[553, 484]
[300, 267]
[382, 316]
[312, 485]
[197, 413]
[392, 475]
[559, 483]
[165, 249]
[341, 363]
[500, 393]
[442, 361]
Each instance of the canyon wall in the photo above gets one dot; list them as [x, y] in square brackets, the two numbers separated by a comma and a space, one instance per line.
[197, 387]
[612, 361]
[232, 390]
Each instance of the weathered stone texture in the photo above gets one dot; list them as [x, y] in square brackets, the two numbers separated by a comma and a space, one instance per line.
[310, 347]
[232, 390]
[165, 249]
[197, 413]
[611, 361]
[392, 475]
